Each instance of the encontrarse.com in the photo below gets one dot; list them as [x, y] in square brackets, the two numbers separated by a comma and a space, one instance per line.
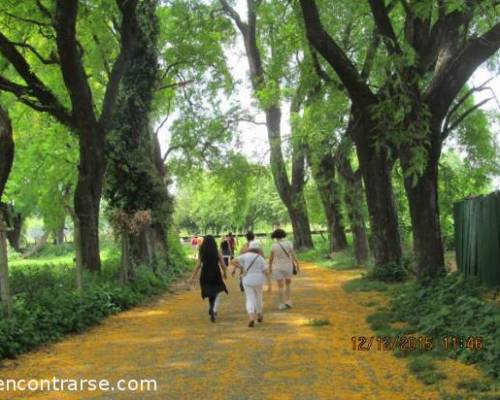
[78, 385]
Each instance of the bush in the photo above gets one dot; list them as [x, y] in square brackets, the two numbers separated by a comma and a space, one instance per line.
[392, 272]
[47, 306]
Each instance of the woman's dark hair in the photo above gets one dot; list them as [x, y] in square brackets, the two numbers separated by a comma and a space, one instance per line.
[278, 234]
[208, 249]
[250, 236]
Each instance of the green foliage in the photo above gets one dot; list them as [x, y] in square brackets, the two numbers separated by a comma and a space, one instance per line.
[392, 272]
[44, 170]
[47, 306]
[236, 195]
[364, 285]
[458, 180]
[425, 370]
[133, 182]
[451, 306]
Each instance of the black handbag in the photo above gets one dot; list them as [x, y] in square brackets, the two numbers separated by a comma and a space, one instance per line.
[242, 288]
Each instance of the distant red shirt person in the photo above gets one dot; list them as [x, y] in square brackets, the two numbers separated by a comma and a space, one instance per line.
[231, 240]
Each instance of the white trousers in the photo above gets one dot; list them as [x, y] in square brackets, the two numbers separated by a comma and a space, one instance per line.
[253, 294]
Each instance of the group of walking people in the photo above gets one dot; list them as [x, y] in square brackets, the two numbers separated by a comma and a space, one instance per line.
[253, 269]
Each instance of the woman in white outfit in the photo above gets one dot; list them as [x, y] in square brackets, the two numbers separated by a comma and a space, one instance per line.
[253, 270]
[281, 266]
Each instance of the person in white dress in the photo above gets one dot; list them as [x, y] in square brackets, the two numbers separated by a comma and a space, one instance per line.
[281, 265]
[253, 270]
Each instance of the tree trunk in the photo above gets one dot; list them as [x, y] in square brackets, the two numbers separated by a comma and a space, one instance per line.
[354, 203]
[59, 236]
[14, 234]
[300, 224]
[142, 248]
[6, 159]
[377, 169]
[324, 175]
[78, 253]
[125, 261]
[353, 200]
[424, 211]
[88, 196]
[291, 195]
[159, 235]
[4, 270]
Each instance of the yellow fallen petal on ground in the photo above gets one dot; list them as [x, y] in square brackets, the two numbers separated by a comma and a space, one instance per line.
[285, 358]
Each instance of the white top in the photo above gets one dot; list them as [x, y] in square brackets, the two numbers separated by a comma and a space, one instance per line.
[254, 275]
[281, 261]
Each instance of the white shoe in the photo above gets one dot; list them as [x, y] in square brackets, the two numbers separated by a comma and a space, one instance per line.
[282, 307]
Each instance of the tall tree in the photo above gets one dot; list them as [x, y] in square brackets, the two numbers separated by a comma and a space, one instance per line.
[81, 116]
[290, 191]
[6, 159]
[133, 181]
[427, 65]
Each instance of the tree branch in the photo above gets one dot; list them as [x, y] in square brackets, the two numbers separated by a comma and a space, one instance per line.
[462, 100]
[358, 90]
[385, 27]
[35, 87]
[73, 72]
[448, 129]
[175, 84]
[44, 10]
[46, 61]
[370, 56]
[27, 20]
[233, 14]
[128, 33]
[458, 69]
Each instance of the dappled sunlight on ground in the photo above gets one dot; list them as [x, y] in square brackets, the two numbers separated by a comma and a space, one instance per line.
[286, 357]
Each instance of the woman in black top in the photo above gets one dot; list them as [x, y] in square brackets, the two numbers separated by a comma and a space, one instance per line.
[226, 251]
[210, 262]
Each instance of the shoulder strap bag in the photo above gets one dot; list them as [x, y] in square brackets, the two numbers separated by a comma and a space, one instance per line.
[246, 272]
[290, 258]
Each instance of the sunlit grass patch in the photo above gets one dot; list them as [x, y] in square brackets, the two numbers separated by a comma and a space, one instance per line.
[317, 322]
[425, 370]
[364, 285]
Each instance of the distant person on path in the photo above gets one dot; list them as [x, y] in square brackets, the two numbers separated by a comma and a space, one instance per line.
[231, 239]
[253, 270]
[212, 267]
[226, 250]
[281, 265]
[250, 236]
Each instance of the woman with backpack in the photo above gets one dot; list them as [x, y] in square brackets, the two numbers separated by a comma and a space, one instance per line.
[212, 267]
[283, 264]
[253, 270]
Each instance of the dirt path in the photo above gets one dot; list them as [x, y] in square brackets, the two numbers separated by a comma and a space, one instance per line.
[173, 342]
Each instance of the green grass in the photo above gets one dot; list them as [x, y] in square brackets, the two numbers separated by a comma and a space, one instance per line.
[343, 260]
[365, 285]
[317, 322]
[425, 369]
[451, 306]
